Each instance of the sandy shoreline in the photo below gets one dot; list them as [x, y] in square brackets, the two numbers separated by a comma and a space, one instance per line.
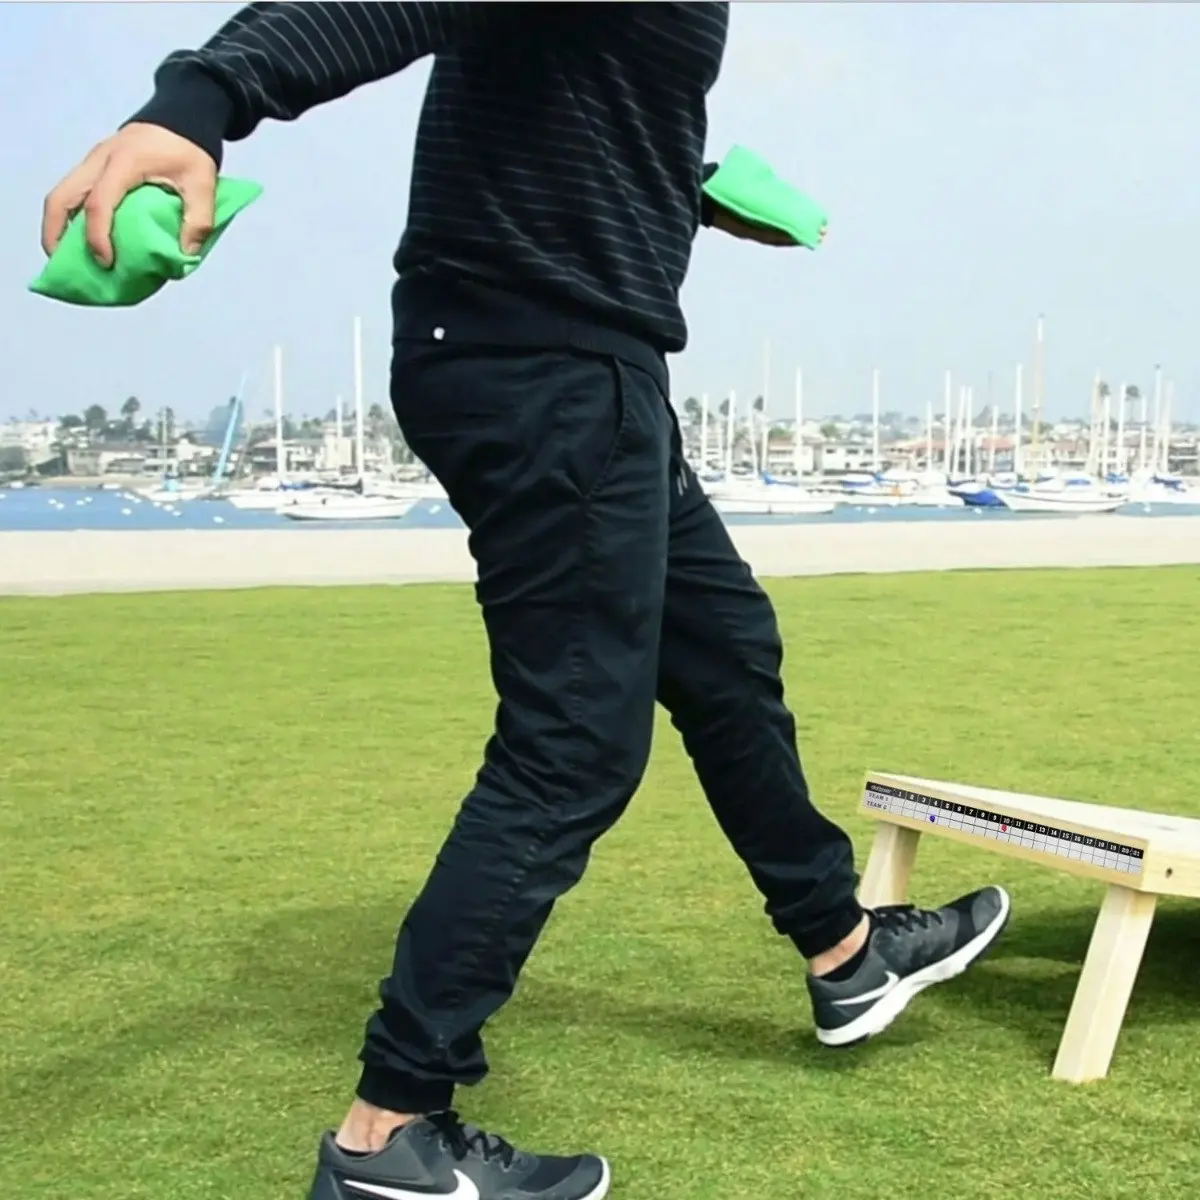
[61, 563]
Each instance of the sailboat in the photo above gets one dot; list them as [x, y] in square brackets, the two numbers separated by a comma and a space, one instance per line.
[1153, 483]
[1069, 500]
[1074, 494]
[764, 495]
[348, 507]
[269, 493]
[344, 504]
[170, 489]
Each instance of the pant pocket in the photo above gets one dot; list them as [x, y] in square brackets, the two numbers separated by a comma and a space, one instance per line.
[460, 413]
[591, 420]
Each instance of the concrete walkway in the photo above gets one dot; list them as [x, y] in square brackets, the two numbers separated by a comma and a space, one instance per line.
[52, 563]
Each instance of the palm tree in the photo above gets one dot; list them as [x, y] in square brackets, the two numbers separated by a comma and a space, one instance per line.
[95, 418]
[129, 411]
[691, 410]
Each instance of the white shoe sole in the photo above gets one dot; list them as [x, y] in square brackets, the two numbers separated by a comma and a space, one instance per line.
[880, 1015]
[601, 1189]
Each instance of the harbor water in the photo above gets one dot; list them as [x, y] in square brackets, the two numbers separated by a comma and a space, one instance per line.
[56, 509]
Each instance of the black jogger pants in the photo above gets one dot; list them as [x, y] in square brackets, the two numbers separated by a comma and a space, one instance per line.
[607, 582]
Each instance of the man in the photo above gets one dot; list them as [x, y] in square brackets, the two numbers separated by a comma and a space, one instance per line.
[555, 197]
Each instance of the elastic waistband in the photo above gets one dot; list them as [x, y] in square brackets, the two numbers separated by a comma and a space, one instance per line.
[426, 308]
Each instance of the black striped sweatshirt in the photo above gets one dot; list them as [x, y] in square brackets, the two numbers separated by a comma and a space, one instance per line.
[559, 153]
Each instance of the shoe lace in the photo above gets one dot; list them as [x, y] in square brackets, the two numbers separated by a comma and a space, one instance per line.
[906, 918]
[462, 1139]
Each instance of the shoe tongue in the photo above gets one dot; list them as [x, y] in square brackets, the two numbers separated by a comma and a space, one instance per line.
[416, 1125]
[480, 1137]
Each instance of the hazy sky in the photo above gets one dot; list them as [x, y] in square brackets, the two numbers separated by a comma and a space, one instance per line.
[981, 163]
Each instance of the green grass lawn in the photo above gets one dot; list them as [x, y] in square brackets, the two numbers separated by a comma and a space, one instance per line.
[214, 807]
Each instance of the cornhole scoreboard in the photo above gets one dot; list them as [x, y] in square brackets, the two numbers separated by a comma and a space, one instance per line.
[1140, 855]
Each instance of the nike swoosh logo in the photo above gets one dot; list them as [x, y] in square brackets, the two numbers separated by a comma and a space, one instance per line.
[862, 998]
[465, 1190]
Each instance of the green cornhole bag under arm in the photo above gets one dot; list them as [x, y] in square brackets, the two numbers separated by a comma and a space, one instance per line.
[146, 250]
[748, 188]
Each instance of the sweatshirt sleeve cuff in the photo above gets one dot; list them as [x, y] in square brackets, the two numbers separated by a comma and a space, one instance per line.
[708, 209]
[189, 102]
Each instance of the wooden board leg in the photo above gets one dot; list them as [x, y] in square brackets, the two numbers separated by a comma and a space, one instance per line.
[885, 878]
[1102, 995]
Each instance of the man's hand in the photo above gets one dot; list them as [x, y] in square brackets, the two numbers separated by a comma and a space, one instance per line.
[137, 154]
[766, 235]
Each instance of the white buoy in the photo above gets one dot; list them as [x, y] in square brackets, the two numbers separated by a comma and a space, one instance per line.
[126, 512]
[218, 520]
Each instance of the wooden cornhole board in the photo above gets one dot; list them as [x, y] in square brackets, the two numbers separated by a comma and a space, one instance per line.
[1140, 855]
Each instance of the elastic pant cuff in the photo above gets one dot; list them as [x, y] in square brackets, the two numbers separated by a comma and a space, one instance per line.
[816, 939]
[401, 1093]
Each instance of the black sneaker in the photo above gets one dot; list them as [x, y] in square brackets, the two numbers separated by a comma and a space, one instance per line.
[440, 1156]
[907, 950]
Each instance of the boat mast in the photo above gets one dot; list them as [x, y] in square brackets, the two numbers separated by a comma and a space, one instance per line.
[730, 432]
[1165, 441]
[875, 463]
[798, 442]
[1093, 458]
[1121, 406]
[1039, 350]
[1018, 432]
[947, 427]
[1157, 422]
[762, 412]
[358, 402]
[995, 428]
[280, 451]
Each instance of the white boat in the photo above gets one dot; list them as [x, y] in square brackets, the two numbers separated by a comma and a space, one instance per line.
[348, 508]
[165, 495]
[767, 500]
[936, 497]
[1164, 491]
[1065, 500]
[258, 499]
[413, 489]
[887, 489]
[773, 507]
[877, 497]
[271, 499]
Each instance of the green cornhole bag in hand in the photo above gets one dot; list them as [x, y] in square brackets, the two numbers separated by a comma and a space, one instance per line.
[748, 188]
[146, 250]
